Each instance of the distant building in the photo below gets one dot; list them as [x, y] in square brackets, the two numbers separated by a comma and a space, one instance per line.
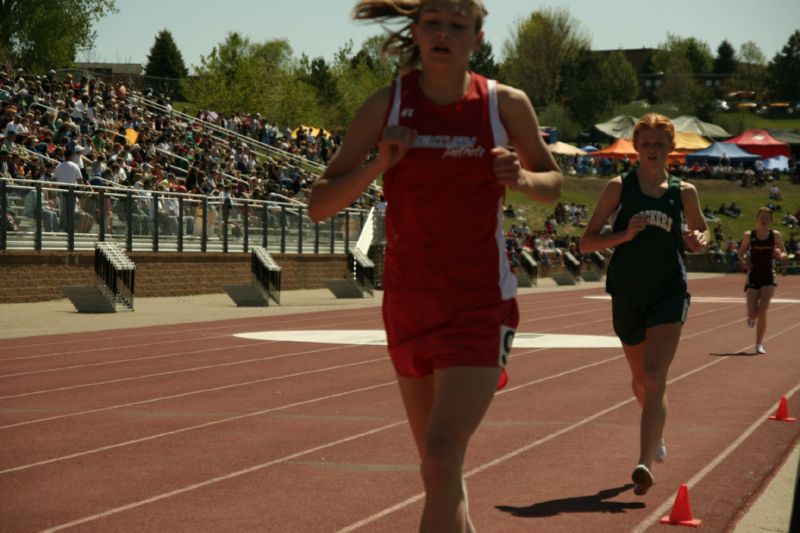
[650, 80]
[129, 73]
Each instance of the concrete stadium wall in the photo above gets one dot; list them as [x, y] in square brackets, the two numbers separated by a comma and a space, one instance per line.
[36, 276]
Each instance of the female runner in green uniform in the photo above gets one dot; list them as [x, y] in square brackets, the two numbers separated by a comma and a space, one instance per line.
[647, 275]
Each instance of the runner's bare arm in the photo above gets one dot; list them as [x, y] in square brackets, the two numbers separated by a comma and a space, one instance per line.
[697, 236]
[592, 239]
[347, 175]
[531, 168]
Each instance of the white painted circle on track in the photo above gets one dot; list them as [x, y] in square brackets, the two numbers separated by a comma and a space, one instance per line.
[377, 337]
[713, 299]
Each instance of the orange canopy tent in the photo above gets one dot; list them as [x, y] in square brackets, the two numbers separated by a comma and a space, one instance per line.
[623, 147]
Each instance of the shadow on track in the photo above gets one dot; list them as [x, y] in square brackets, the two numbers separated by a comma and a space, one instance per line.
[579, 504]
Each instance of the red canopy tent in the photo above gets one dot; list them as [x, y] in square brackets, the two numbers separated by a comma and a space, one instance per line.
[760, 142]
[622, 147]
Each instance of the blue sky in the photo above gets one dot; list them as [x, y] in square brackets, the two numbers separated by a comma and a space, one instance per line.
[321, 27]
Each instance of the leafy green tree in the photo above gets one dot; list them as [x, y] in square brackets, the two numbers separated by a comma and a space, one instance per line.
[593, 84]
[165, 65]
[239, 76]
[751, 72]
[42, 34]
[696, 53]
[538, 48]
[620, 78]
[677, 85]
[357, 77]
[297, 103]
[784, 70]
[725, 62]
[555, 116]
[482, 61]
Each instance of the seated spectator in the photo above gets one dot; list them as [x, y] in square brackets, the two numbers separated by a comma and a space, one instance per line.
[49, 210]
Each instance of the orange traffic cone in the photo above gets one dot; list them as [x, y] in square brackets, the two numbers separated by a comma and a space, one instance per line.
[681, 514]
[782, 413]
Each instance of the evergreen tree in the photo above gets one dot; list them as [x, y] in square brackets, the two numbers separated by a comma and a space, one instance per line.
[483, 62]
[784, 70]
[725, 62]
[165, 65]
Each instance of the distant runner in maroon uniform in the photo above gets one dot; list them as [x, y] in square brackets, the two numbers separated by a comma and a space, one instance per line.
[449, 307]
[765, 245]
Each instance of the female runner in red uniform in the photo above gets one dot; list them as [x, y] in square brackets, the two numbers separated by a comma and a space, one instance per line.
[449, 304]
[765, 245]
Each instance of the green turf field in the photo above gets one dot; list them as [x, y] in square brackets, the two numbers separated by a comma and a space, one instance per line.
[587, 190]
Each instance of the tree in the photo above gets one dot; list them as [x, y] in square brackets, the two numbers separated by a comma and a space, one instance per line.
[357, 77]
[41, 34]
[725, 62]
[784, 70]
[696, 53]
[239, 76]
[751, 71]
[482, 61]
[678, 83]
[165, 63]
[594, 83]
[538, 48]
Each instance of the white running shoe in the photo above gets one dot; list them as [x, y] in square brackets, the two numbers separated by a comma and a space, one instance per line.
[661, 452]
[760, 348]
[642, 480]
[751, 322]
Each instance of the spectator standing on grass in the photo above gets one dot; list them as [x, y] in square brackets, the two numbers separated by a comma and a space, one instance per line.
[440, 156]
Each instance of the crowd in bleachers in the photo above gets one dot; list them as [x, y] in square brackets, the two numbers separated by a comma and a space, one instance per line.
[547, 246]
[751, 175]
[115, 137]
[57, 128]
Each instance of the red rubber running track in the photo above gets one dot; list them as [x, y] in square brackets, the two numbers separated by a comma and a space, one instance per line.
[188, 428]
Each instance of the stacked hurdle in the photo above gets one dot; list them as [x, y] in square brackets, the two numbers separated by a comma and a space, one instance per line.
[116, 276]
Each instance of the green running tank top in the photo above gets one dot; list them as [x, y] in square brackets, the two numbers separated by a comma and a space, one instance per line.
[650, 266]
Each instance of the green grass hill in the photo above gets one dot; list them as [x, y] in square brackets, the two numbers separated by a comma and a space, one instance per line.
[586, 190]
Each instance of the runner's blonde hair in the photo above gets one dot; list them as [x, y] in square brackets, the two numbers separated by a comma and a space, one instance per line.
[400, 43]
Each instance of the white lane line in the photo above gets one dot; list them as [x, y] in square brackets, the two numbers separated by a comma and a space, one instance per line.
[115, 348]
[662, 509]
[713, 299]
[191, 327]
[396, 507]
[202, 484]
[120, 361]
[173, 372]
[194, 392]
[198, 426]
[413, 499]
[226, 477]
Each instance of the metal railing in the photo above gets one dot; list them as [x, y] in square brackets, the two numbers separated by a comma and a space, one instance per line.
[51, 216]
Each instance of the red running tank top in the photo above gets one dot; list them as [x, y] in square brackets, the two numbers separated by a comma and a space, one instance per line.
[444, 220]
